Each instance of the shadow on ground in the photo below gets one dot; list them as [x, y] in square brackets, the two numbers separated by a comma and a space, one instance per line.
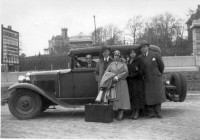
[80, 113]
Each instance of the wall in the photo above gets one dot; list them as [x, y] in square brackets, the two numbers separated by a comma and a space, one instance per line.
[11, 77]
[179, 61]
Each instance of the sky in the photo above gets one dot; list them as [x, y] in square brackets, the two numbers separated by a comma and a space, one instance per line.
[38, 20]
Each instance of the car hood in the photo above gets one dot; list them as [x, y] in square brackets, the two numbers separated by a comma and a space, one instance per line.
[53, 72]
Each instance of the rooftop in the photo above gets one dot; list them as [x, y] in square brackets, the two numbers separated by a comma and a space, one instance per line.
[80, 38]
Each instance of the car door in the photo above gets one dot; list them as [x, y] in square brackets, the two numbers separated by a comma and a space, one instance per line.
[84, 83]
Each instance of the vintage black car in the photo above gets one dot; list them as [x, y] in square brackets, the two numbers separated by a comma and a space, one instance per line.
[75, 86]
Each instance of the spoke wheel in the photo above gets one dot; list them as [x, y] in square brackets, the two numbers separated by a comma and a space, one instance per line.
[175, 81]
[25, 104]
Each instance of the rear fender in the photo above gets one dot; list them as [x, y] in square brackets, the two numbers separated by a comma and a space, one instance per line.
[39, 91]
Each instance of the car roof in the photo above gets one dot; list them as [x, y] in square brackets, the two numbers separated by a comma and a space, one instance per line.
[98, 49]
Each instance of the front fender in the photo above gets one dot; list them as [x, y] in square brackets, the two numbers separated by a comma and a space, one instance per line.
[39, 91]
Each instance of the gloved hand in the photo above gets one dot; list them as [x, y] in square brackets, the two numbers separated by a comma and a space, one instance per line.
[115, 79]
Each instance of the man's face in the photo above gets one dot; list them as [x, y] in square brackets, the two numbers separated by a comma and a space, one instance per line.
[89, 59]
[144, 49]
[106, 53]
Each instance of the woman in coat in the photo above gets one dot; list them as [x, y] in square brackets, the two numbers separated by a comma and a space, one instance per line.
[136, 85]
[121, 87]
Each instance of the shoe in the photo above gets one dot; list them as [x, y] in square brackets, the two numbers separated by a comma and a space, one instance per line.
[158, 115]
[120, 115]
[136, 116]
[133, 114]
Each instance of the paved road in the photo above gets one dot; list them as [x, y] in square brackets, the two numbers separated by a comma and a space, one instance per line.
[181, 121]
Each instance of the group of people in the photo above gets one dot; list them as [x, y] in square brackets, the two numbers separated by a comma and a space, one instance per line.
[136, 82]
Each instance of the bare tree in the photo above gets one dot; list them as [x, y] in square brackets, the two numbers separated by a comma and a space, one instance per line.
[134, 27]
[112, 34]
[109, 34]
[165, 31]
[99, 36]
[180, 30]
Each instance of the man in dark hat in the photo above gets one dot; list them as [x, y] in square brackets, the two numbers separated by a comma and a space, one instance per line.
[103, 63]
[152, 73]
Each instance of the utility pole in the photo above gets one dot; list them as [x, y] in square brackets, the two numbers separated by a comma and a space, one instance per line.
[95, 37]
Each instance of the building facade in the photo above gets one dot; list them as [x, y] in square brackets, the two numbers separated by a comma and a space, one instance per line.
[57, 43]
[193, 17]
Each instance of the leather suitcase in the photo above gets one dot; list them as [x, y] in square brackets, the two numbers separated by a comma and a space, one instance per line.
[98, 113]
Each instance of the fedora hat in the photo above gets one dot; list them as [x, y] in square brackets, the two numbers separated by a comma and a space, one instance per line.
[143, 43]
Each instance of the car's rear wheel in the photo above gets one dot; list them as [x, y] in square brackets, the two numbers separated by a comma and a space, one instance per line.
[175, 81]
[25, 104]
[183, 87]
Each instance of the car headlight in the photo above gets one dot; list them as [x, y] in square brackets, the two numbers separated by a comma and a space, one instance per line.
[27, 79]
[167, 82]
[24, 79]
[21, 79]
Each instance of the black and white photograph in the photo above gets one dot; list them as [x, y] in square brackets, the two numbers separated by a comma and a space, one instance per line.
[100, 69]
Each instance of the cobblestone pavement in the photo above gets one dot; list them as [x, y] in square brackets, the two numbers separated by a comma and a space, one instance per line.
[181, 120]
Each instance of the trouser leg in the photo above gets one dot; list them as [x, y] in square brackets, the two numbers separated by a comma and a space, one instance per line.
[151, 112]
[120, 114]
[157, 109]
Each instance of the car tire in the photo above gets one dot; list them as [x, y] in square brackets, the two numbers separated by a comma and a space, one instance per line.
[175, 80]
[25, 104]
[183, 87]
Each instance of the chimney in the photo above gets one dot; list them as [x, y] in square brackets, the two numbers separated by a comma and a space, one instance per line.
[198, 7]
[10, 27]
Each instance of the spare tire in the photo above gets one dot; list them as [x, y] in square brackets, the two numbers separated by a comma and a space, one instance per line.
[183, 87]
[175, 80]
[155, 49]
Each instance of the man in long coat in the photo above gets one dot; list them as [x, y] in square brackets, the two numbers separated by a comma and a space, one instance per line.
[153, 70]
[102, 64]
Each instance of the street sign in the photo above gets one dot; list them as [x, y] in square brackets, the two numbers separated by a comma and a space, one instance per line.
[10, 46]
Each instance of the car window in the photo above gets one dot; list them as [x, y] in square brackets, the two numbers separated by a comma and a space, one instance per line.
[82, 62]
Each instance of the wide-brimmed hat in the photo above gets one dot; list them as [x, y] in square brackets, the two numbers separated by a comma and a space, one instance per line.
[117, 52]
[143, 43]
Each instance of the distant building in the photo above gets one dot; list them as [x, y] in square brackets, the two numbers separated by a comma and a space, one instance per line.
[81, 41]
[59, 41]
[193, 17]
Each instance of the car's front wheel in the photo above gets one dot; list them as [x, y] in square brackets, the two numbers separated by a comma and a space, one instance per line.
[25, 104]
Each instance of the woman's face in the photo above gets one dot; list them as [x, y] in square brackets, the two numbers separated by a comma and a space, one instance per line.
[116, 57]
[132, 54]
